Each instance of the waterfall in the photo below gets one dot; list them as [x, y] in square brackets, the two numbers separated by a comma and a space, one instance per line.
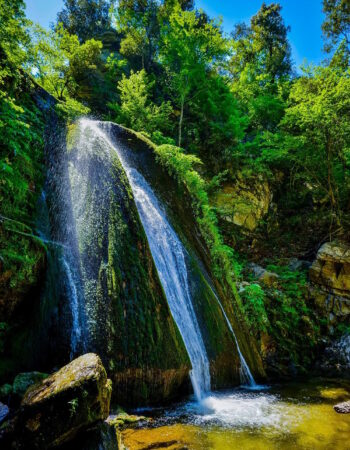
[74, 305]
[169, 257]
[244, 371]
[71, 277]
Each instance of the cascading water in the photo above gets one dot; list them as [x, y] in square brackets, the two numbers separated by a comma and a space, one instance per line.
[77, 344]
[245, 373]
[74, 304]
[169, 257]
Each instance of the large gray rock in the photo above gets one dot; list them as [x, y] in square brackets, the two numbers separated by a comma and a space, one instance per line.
[55, 410]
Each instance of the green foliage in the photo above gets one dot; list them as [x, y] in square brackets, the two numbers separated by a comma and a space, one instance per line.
[189, 50]
[71, 109]
[85, 18]
[13, 37]
[60, 63]
[318, 137]
[21, 129]
[253, 300]
[136, 110]
[336, 26]
[293, 324]
[138, 22]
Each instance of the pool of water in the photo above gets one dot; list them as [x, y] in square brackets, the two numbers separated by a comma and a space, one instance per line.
[293, 416]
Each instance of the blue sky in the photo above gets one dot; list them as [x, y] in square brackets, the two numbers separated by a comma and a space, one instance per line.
[304, 16]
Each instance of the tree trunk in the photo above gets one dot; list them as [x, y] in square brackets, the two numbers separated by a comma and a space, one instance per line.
[181, 120]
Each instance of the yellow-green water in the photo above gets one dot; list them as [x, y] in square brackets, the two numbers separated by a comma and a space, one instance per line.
[297, 416]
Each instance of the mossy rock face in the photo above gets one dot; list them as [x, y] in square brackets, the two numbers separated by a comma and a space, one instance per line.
[219, 342]
[245, 202]
[53, 411]
[128, 319]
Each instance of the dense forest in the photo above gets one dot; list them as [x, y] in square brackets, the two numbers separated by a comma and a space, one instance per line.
[259, 148]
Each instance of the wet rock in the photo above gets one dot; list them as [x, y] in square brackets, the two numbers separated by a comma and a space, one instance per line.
[69, 401]
[139, 341]
[4, 412]
[331, 269]
[26, 379]
[342, 408]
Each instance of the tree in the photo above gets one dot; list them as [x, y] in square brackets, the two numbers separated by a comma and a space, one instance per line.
[269, 35]
[136, 110]
[313, 141]
[60, 62]
[336, 26]
[13, 37]
[85, 18]
[138, 22]
[261, 67]
[189, 51]
[319, 121]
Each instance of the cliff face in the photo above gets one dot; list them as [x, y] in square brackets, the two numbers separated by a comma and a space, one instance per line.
[220, 344]
[29, 309]
[128, 320]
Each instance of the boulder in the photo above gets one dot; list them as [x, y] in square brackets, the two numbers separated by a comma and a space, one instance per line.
[342, 408]
[246, 202]
[69, 401]
[331, 269]
[4, 412]
[26, 379]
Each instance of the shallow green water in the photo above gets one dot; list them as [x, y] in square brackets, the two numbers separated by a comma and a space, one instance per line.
[293, 416]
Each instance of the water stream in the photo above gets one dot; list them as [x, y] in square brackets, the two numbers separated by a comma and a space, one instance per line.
[287, 417]
[69, 270]
[76, 338]
[246, 376]
[169, 257]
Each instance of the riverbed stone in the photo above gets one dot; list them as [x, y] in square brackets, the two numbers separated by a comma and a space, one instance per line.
[4, 412]
[59, 407]
[342, 408]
